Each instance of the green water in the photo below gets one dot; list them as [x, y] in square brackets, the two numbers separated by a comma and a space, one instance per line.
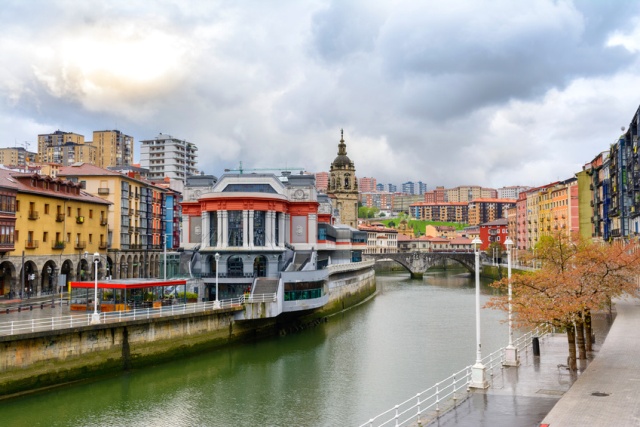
[341, 373]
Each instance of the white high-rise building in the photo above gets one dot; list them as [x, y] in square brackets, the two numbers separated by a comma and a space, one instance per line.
[166, 156]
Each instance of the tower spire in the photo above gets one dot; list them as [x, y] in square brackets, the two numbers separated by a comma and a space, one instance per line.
[342, 147]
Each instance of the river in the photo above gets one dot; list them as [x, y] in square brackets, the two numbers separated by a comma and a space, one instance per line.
[412, 334]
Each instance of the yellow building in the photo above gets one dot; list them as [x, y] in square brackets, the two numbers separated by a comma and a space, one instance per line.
[135, 217]
[16, 156]
[113, 148]
[55, 224]
[60, 147]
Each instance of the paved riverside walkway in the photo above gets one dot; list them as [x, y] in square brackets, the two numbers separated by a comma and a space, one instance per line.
[542, 391]
[608, 392]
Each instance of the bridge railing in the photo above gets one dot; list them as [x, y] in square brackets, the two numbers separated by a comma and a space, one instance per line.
[72, 321]
[446, 394]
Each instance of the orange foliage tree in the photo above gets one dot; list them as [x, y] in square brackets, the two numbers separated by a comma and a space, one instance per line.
[576, 276]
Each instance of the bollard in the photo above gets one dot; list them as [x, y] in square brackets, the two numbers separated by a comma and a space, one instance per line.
[536, 346]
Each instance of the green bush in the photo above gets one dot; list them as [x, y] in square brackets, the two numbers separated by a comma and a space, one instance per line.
[190, 295]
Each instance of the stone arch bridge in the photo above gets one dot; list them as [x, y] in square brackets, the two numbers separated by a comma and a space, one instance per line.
[417, 263]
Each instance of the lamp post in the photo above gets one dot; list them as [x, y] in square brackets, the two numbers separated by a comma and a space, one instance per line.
[95, 317]
[216, 303]
[510, 352]
[478, 378]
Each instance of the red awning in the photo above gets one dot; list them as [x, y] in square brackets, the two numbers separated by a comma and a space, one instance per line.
[129, 283]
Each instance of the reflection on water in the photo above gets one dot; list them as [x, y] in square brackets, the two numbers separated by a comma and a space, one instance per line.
[361, 362]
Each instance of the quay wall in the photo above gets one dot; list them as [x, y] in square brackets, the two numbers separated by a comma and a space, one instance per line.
[38, 360]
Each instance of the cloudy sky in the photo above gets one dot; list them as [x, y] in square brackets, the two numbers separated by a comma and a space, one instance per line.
[493, 93]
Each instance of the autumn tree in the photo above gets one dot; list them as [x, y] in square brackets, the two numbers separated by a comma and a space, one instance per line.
[576, 276]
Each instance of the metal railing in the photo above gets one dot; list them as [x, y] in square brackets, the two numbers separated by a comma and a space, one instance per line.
[429, 403]
[76, 320]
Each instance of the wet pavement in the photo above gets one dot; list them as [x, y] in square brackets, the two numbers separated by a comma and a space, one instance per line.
[524, 395]
[608, 392]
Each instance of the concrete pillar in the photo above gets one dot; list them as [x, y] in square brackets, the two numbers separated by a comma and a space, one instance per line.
[245, 229]
[287, 227]
[313, 229]
[281, 230]
[205, 230]
[225, 229]
[251, 229]
[219, 230]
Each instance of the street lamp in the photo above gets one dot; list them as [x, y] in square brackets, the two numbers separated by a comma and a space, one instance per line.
[216, 303]
[95, 317]
[478, 378]
[510, 352]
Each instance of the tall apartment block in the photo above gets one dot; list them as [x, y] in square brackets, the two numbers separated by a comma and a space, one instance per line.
[168, 156]
[367, 185]
[322, 181]
[511, 192]
[408, 187]
[114, 148]
[64, 148]
[16, 156]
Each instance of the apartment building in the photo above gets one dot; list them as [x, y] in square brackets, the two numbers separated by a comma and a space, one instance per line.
[486, 210]
[135, 218]
[168, 156]
[113, 148]
[46, 226]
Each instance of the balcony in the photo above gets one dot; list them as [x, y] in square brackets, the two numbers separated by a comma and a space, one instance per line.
[58, 245]
[103, 191]
[31, 244]
[79, 220]
[103, 245]
[59, 217]
[33, 215]
[80, 245]
[103, 221]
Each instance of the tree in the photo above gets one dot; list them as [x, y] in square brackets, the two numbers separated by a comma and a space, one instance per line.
[367, 212]
[576, 277]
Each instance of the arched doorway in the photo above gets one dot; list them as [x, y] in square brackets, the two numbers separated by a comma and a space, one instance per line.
[49, 275]
[84, 271]
[30, 282]
[260, 266]
[66, 271]
[6, 274]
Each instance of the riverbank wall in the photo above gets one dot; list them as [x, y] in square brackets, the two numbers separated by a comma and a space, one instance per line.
[32, 361]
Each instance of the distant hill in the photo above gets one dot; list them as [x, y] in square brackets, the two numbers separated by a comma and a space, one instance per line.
[420, 225]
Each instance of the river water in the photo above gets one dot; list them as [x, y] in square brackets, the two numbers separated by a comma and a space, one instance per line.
[412, 334]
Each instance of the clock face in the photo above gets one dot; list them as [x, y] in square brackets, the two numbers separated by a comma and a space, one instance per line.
[299, 194]
[197, 193]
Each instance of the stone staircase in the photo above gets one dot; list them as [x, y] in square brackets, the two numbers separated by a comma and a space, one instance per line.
[265, 285]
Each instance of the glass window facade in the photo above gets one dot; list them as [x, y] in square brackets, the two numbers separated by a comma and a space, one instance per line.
[259, 228]
[235, 229]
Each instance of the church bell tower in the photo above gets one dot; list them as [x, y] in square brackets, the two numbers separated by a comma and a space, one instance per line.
[343, 186]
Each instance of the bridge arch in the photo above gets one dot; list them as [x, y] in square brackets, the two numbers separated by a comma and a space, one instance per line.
[417, 263]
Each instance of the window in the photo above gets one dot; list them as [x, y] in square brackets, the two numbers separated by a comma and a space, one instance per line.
[90, 213]
[69, 211]
[68, 237]
[79, 212]
[46, 209]
[235, 228]
[90, 238]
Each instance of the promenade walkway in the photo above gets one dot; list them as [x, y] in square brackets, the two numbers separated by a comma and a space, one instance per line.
[608, 392]
[604, 392]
